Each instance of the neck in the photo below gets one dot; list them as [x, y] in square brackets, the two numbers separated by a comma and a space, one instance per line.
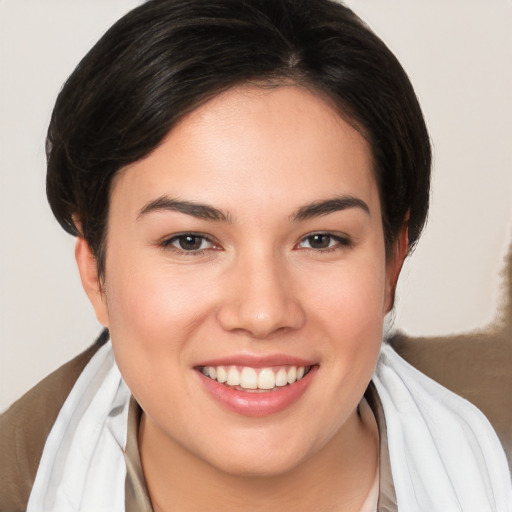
[338, 477]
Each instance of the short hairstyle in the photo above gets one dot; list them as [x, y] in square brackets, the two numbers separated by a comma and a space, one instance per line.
[167, 57]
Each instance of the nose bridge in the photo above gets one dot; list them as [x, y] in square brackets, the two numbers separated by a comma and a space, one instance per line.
[261, 301]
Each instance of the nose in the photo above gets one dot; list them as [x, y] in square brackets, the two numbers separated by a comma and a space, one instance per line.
[260, 299]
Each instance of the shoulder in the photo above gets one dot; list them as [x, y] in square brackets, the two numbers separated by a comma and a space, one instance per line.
[25, 426]
[474, 366]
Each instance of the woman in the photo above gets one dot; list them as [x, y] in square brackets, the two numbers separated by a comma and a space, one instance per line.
[245, 179]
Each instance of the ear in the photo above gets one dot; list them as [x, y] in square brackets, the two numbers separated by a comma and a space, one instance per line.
[88, 269]
[394, 265]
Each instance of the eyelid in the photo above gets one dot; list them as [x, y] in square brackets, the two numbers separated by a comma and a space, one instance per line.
[167, 241]
[343, 240]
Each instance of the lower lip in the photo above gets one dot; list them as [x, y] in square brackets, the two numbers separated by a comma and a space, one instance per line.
[258, 403]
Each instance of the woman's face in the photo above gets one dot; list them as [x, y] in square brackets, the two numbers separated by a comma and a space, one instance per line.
[249, 246]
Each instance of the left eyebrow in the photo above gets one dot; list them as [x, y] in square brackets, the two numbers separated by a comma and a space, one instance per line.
[325, 207]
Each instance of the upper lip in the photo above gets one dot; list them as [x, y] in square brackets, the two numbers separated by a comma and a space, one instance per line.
[254, 361]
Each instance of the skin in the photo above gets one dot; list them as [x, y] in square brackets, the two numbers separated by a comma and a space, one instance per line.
[259, 285]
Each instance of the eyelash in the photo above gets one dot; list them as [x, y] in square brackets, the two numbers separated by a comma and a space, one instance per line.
[340, 242]
[167, 243]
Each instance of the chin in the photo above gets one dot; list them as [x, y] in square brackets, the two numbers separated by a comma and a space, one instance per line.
[270, 466]
[261, 458]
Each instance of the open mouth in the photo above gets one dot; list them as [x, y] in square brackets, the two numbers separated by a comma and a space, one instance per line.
[258, 389]
[255, 380]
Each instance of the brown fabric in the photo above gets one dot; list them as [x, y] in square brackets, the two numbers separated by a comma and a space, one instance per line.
[25, 426]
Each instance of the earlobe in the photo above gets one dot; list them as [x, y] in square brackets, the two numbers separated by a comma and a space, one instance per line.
[394, 266]
[88, 270]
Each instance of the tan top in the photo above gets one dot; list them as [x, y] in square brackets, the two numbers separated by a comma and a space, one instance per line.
[25, 426]
[368, 418]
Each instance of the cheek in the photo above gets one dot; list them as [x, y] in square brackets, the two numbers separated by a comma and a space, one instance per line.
[148, 297]
[351, 297]
[151, 320]
[153, 313]
[348, 308]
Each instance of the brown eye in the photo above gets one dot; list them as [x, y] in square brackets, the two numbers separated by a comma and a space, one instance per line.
[324, 242]
[319, 241]
[188, 242]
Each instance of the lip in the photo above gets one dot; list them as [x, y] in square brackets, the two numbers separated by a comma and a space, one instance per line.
[258, 361]
[256, 404]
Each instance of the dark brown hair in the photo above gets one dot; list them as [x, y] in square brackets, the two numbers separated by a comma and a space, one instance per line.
[166, 57]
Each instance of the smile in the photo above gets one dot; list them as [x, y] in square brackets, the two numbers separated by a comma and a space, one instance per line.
[246, 378]
[256, 388]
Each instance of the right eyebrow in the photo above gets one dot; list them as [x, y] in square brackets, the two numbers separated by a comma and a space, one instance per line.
[198, 210]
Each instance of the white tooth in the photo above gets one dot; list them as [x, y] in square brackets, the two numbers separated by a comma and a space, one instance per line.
[281, 378]
[266, 379]
[212, 372]
[204, 371]
[233, 377]
[292, 374]
[300, 372]
[249, 378]
[222, 375]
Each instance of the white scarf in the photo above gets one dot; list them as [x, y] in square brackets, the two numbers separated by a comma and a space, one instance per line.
[445, 456]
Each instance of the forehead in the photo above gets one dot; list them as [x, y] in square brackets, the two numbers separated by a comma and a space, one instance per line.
[250, 146]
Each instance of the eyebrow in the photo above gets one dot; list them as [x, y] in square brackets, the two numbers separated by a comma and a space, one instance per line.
[207, 212]
[325, 207]
[198, 210]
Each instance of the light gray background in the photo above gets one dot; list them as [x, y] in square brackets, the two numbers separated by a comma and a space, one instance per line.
[458, 55]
